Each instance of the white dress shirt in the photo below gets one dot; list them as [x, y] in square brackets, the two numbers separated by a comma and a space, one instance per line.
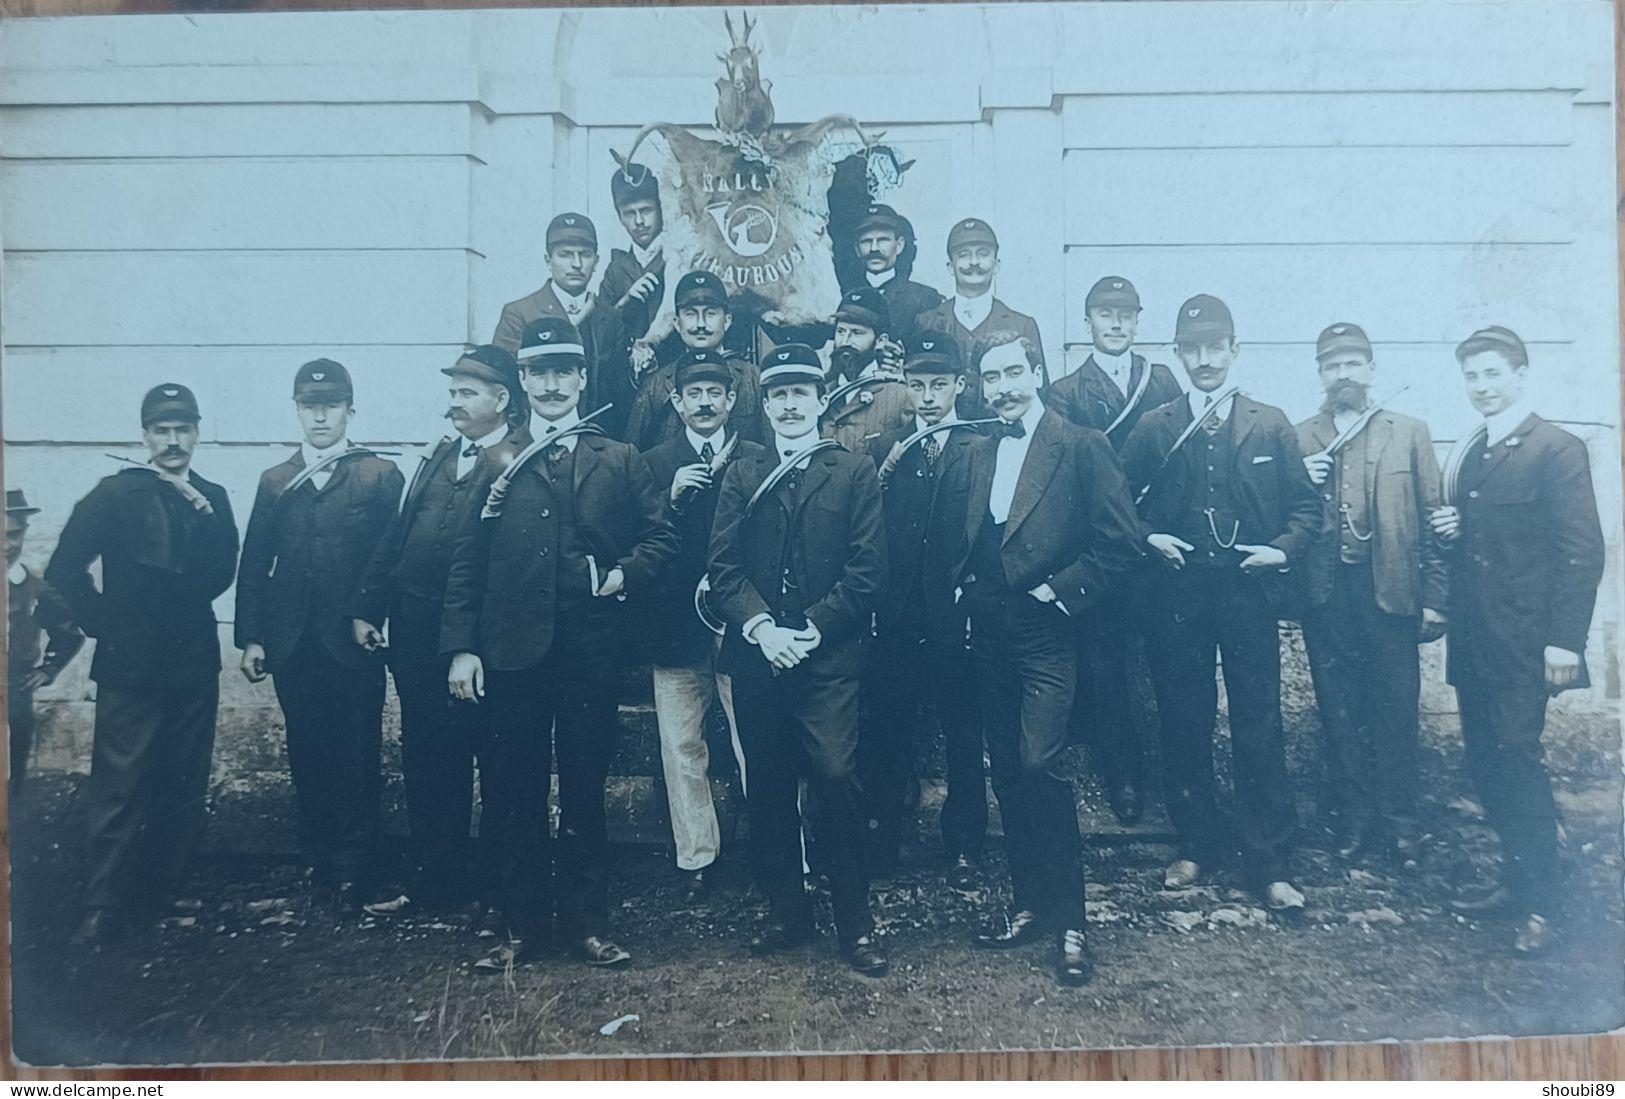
[973, 311]
[1498, 425]
[718, 439]
[880, 278]
[312, 456]
[569, 420]
[783, 447]
[1199, 402]
[465, 462]
[1119, 368]
[645, 256]
[576, 306]
[1007, 466]
[951, 418]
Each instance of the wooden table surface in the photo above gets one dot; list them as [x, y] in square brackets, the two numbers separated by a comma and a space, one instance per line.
[1558, 1059]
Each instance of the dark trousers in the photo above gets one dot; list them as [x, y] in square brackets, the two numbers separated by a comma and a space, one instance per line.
[1367, 682]
[1104, 710]
[904, 674]
[804, 723]
[1200, 610]
[148, 787]
[1501, 724]
[566, 706]
[20, 724]
[437, 750]
[334, 718]
[1026, 672]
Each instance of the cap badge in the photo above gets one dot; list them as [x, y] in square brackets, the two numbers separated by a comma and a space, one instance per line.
[317, 376]
[1194, 311]
[1339, 330]
[927, 345]
[569, 221]
[172, 393]
[969, 225]
[547, 335]
[1117, 286]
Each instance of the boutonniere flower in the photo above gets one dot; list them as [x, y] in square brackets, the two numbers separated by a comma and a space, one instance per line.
[866, 397]
[1513, 440]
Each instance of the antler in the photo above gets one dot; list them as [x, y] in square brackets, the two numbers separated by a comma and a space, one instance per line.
[733, 37]
[750, 25]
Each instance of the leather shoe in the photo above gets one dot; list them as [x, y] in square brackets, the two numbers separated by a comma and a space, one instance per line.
[1535, 936]
[962, 875]
[500, 960]
[1016, 929]
[1074, 967]
[1496, 902]
[1125, 801]
[695, 887]
[1181, 873]
[866, 955]
[602, 952]
[776, 938]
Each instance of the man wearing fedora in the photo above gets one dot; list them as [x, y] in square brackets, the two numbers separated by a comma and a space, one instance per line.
[35, 609]
[405, 583]
[168, 548]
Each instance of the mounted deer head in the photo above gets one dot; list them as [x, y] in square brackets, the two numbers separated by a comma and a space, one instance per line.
[744, 70]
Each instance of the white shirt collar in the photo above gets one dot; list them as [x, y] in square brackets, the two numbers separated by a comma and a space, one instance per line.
[17, 573]
[973, 311]
[1498, 425]
[1119, 368]
[1198, 403]
[877, 280]
[312, 455]
[569, 420]
[1034, 413]
[718, 439]
[951, 418]
[646, 256]
[783, 447]
[485, 442]
[575, 305]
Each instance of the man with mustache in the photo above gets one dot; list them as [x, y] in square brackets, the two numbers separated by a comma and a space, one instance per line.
[1226, 508]
[1045, 528]
[921, 656]
[308, 542]
[1526, 556]
[168, 548]
[862, 327]
[704, 318]
[405, 583]
[534, 625]
[572, 256]
[797, 580]
[973, 313]
[1376, 588]
[1110, 392]
[689, 469]
[885, 240]
[634, 280]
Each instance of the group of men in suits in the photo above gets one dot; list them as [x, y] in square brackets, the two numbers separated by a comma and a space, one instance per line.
[923, 518]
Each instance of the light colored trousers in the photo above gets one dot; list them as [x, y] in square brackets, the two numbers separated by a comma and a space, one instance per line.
[682, 699]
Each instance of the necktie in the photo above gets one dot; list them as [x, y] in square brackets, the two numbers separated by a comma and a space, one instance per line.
[1015, 429]
[1212, 424]
[708, 452]
[471, 449]
[932, 448]
[556, 452]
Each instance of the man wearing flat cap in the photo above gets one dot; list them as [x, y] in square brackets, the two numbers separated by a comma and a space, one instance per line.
[168, 548]
[1110, 392]
[1226, 511]
[880, 401]
[797, 568]
[317, 518]
[405, 584]
[534, 624]
[1526, 556]
[634, 282]
[1375, 590]
[704, 319]
[886, 245]
[973, 313]
[920, 658]
[34, 608]
[572, 256]
[689, 469]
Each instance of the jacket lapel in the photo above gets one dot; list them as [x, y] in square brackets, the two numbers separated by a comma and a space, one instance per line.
[1497, 454]
[587, 456]
[1043, 457]
[1378, 431]
[441, 453]
[816, 474]
[1245, 415]
[981, 485]
[1322, 430]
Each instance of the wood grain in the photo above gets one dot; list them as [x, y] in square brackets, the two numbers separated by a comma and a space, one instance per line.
[1562, 1059]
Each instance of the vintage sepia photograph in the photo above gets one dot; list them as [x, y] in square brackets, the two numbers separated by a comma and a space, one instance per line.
[664, 531]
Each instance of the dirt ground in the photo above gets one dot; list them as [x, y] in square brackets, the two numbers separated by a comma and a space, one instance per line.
[254, 972]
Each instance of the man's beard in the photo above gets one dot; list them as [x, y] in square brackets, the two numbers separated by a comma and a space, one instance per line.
[1345, 396]
[849, 362]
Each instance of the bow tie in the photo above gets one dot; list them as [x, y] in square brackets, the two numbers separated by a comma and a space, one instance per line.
[470, 450]
[1015, 429]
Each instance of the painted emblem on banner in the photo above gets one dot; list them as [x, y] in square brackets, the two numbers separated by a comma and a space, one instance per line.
[751, 205]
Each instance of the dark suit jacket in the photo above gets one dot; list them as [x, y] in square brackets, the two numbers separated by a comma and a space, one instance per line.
[905, 301]
[502, 596]
[609, 365]
[676, 635]
[163, 565]
[304, 554]
[654, 421]
[1524, 573]
[911, 498]
[834, 536]
[1071, 522]
[34, 608]
[1407, 565]
[1278, 504]
[378, 586]
[620, 273]
[1088, 398]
